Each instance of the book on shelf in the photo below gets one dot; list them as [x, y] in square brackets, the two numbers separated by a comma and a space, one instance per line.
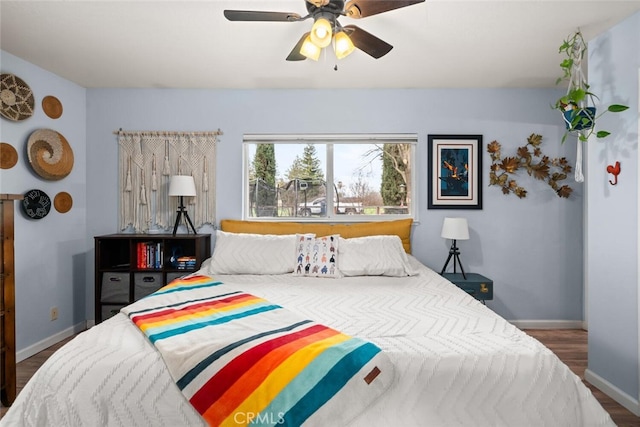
[186, 263]
[149, 255]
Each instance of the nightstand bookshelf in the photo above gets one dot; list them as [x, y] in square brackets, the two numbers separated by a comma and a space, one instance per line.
[131, 266]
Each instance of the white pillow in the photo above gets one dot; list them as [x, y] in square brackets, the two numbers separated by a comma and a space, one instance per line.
[374, 256]
[317, 257]
[245, 253]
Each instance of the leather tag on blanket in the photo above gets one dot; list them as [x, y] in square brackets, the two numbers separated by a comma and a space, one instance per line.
[372, 375]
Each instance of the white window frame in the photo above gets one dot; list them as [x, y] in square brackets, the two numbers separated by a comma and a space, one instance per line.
[330, 140]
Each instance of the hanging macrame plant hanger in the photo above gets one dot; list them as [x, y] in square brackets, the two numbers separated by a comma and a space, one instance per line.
[579, 115]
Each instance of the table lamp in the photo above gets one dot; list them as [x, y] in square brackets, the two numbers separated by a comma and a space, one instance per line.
[182, 185]
[455, 229]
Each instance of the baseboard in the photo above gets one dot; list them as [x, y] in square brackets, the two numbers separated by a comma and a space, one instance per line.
[548, 324]
[613, 392]
[36, 348]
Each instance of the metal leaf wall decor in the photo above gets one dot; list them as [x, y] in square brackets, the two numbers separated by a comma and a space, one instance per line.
[530, 158]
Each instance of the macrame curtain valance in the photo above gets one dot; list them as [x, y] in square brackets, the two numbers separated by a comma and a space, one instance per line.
[147, 160]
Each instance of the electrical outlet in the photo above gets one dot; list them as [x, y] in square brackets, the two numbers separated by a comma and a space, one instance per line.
[54, 313]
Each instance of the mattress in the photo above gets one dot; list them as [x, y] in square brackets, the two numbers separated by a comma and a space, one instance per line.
[456, 362]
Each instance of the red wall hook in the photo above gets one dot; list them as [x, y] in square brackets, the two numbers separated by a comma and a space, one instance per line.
[615, 170]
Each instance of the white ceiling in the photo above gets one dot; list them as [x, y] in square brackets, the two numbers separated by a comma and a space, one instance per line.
[189, 44]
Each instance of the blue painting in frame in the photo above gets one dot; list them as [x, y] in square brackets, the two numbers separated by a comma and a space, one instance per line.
[455, 172]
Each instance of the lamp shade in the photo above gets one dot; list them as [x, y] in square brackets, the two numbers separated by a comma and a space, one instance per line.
[309, 49]
[455, 228]
[343, 45]
[182, 185]
[321, 32]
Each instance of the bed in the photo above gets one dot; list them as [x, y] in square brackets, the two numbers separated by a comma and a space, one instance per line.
[437, 356]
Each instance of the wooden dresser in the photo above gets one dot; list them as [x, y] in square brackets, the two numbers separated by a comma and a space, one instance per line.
[7, 301]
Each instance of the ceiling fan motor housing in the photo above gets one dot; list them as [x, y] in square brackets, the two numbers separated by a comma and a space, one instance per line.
[334, 7]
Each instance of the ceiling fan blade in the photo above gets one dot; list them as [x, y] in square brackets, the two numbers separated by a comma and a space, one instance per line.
[252, 15]
[367, 42]
[363, 8]
[295, 54]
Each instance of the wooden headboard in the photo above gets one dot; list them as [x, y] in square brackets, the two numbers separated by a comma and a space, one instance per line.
[400, 228]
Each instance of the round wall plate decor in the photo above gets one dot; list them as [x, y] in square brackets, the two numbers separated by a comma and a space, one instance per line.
[50, 155]
[63, 202]
[52, 106]
[36, 204]
[17, 98]
[8, 156]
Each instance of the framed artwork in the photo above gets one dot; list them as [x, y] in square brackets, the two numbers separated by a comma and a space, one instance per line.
[455, 172]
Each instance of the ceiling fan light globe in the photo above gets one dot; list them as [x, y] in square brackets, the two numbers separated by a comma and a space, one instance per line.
[343, 45]
[309, 49]
[321, 32]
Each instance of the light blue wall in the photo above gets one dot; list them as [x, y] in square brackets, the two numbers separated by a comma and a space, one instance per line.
[50, 253]
[531, 247]
[612, 212]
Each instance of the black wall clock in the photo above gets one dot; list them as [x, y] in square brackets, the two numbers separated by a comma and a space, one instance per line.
[36, 204]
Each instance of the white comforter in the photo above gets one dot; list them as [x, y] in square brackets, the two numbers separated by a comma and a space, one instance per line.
[457, 362]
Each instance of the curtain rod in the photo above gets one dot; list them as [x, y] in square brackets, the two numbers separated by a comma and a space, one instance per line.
[165, 133]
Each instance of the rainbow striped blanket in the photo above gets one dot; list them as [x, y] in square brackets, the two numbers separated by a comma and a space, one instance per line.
[241, 360]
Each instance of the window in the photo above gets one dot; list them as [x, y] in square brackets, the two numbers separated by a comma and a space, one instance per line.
[329, 177]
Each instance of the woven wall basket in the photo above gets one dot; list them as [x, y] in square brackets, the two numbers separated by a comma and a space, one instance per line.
[63, 202]
[52, 106]
[16, 98]
[50, 155]
[8, 156]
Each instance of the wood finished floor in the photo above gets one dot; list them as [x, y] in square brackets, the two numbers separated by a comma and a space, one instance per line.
[569, 344]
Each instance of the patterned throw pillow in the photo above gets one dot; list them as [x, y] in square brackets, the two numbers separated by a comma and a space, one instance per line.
[317, 256]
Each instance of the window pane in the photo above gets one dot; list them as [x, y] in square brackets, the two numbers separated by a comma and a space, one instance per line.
[371, 179]
[289, 179]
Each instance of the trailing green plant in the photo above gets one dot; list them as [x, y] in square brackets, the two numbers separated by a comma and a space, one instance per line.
[578, 105]
[530, 158]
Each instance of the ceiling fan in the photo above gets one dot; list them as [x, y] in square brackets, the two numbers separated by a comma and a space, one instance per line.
[326, 28]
